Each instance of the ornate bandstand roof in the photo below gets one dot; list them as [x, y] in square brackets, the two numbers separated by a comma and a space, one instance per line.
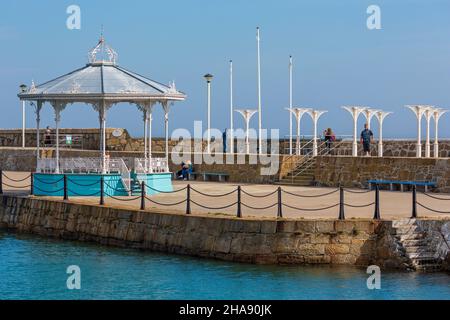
[102, 79]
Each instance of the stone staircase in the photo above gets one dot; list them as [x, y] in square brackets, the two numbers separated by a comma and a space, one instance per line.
[135, 187]
[416, 246]
[302, 175]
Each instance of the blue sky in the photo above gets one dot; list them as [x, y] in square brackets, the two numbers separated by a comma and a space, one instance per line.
[337, 60]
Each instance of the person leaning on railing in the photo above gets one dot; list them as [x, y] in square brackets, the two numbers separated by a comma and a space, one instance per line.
[329, 138]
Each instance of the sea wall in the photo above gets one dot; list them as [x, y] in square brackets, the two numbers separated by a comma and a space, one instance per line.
[352, 242]
[243, 240]
[356, 171]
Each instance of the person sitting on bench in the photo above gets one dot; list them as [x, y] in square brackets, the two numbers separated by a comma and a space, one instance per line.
[186, 169]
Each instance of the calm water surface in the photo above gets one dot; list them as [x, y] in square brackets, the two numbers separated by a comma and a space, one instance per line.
[35, 268]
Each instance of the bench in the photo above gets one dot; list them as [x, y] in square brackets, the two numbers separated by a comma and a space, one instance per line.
[391, 183]
[206, 175]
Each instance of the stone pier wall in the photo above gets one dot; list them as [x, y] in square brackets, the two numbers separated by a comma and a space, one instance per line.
[356, 171]
[242, 240]
[268, 241]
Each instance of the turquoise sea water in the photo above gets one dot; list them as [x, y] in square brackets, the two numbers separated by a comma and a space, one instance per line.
[35, 268]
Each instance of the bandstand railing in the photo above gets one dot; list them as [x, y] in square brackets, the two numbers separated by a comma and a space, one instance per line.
[152, 165]
[86, 165]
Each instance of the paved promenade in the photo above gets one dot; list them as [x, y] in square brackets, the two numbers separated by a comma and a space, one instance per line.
[393, 205]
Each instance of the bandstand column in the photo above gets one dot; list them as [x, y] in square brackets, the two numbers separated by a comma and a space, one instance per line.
[166, 107]
[102, 108]
[150, 119]
[58, 107]
[145, 114]
[38, 120]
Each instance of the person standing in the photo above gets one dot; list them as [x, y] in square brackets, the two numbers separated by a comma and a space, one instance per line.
[224, 140]
[329, 138]
[366, 139]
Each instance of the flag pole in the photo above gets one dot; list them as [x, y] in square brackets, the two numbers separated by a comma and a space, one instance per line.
[290, 104]
[259, 94]
[231, 109]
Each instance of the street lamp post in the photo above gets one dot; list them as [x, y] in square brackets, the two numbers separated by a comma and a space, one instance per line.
[247, 115]
[208, 78]
[23, 89]
[355, 111]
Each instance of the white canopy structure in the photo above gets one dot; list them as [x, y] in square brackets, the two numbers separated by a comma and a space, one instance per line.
[247, 114]
[298, 113]
[102, 83]
[355, 111]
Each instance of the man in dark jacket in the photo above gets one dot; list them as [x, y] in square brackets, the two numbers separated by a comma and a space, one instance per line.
[366, 139]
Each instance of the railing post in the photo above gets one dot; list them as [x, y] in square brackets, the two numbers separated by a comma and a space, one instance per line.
[239, 211]
[66, 197]
[1, 181]
[102, 191]
[280, 204]
[414, 202]
[341, 204]
[31, 183]
[143, 195]
[376, 214]
[188, 199]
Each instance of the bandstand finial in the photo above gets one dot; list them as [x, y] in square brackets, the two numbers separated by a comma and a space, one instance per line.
[102, 47]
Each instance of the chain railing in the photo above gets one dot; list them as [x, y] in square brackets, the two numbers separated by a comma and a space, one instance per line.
[194, 196]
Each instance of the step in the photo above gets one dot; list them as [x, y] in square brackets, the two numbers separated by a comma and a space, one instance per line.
[416, 249]
[421, 256]
[407, 230]
[429, 267]
[412, 236]
[403, 222]
[415, 242]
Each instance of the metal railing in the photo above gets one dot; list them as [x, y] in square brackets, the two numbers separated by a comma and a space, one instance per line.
[86, 165]
[65, 141]
[152, 165]
[305, 162]
[277, 195]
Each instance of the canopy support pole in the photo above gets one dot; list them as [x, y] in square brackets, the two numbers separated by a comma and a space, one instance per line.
[315, 115]
[428, 115]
